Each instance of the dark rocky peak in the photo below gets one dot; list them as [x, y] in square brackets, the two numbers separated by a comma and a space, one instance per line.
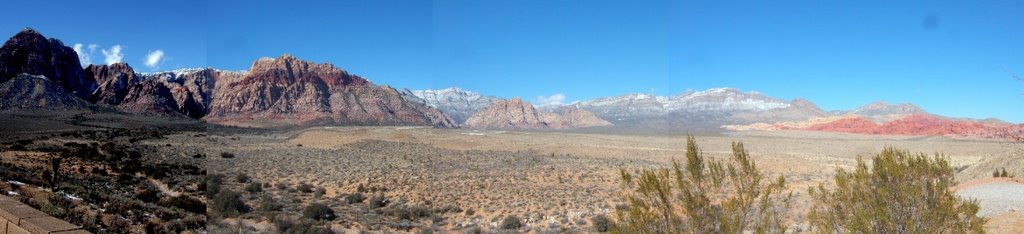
[26, 91]
[113, 82]
[30, 52]
[119, 72]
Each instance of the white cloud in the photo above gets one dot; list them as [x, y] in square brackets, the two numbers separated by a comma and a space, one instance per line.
[154, 59]
[553, 100]
[113, 55]
[84, 57]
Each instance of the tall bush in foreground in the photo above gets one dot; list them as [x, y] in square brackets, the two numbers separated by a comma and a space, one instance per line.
[705, 196]
[900, 193]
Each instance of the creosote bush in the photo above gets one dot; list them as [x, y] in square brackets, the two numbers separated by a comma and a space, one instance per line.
[511, 222]
[317, 211]
[268, 204]
[355, 198]
[229, 203]
[305, 188]
[1001, 174]
[378, 201]
[600, 223]
[254, 187]
[227, 155]
[184, 202]
[242, 178]
[703, 196]
[900, 193]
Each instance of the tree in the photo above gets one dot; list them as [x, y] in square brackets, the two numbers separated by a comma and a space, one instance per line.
[705, 196]
[900, 193]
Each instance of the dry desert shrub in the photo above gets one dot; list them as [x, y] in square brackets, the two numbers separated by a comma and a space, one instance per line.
[900, 193]
[705, 196]
[317, 211]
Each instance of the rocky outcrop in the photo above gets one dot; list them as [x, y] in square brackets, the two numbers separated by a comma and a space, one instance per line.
[149, 97]
[31, 53]
[509, 114]
[113, 82]
[517, 114]
[191, 89]
[287, 91]
[38, 92]
[570, 117]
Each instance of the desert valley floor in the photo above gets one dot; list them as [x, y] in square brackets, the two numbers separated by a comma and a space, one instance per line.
[456, 179]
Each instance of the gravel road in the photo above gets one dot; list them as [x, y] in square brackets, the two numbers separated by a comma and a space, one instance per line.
[997, 197]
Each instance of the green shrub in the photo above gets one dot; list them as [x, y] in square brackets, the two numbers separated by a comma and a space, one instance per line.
[705, 196]
[227, 155]
[214, 182]
[1001, 173]
[600, 223]
[254, 187]
[302, 227]
[355, 198]
[511, 222]
[411, 213]
[229, 203]
[317, 211]
[268, 204]
[378, 201]
[900, 193]
[242, 178]
[184, 202]
[320, 192]
[304, 188]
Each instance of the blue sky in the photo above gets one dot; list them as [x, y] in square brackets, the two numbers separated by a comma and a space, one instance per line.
[177, 28]
[953, 59]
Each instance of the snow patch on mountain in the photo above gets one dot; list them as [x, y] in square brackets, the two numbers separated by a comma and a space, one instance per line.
[455, 102]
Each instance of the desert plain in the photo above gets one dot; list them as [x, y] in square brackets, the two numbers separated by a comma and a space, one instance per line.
[387, 179]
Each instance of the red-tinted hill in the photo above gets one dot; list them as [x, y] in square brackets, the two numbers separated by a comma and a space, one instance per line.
[919, 125]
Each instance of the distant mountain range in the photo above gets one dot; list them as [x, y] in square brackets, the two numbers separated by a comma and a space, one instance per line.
[41, 73]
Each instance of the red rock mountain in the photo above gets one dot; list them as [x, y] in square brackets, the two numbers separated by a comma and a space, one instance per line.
[168, 93]
[516, 114]
[31, 53]
[286, 91]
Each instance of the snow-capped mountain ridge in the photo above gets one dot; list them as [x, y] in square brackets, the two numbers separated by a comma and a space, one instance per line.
[455, 102]
[716, 99]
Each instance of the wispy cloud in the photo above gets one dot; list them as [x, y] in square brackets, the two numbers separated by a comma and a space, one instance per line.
[85, 57]
[154, 59]
[553, 100]
[113, 55]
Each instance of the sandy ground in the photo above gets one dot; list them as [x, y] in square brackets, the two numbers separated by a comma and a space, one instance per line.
[552, 179]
